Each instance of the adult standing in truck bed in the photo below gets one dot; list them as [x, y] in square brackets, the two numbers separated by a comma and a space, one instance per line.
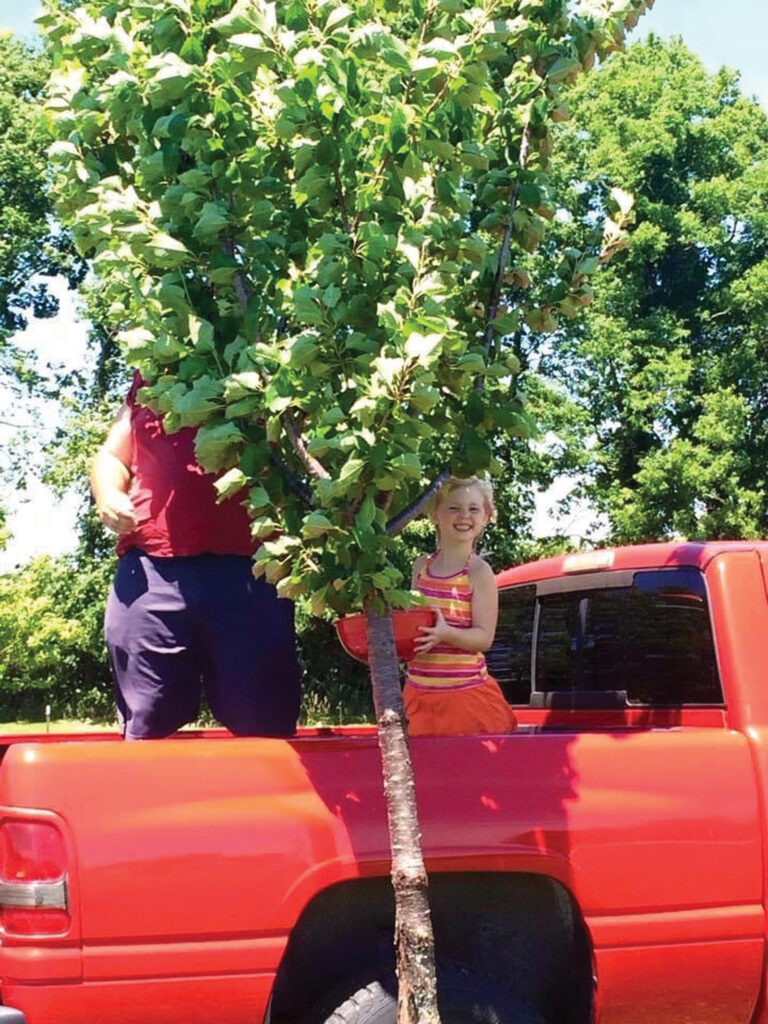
[185, 614]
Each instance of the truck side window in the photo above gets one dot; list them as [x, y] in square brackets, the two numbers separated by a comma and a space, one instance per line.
[652, 639]
[509, 659]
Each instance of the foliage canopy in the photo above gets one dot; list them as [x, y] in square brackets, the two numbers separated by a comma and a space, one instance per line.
[305, 217]
[667, 371]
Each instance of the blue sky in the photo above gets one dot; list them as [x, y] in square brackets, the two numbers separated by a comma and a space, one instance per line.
[732, 33]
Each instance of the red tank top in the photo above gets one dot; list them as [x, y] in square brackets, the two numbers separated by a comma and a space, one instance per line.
[174, 498]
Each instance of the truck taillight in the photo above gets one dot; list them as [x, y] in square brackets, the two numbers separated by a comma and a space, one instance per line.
[33, 879]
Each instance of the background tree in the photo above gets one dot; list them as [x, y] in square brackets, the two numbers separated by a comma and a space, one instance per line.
[30, 247]
[303, 216]
[664, 380]
[51, 640]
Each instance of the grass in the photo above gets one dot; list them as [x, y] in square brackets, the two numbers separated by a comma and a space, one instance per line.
[317, 714]
[60, 725]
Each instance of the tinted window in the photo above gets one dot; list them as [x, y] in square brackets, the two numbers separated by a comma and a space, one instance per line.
[509, 660]
[651, 639]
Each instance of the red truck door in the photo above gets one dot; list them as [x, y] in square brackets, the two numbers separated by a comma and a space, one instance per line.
[645, 787]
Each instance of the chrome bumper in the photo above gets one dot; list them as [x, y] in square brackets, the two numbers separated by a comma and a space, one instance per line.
[10, 1016]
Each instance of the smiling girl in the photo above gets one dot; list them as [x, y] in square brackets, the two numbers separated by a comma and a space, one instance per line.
[448, 690]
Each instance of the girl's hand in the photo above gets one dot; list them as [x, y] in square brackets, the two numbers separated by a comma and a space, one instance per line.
[432, 635]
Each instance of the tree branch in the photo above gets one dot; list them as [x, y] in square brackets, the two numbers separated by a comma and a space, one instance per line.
[228, 245]
[345, 223]
[501, 268]
[312, 466]
[376, 179]
[401, 520]
[295, 483]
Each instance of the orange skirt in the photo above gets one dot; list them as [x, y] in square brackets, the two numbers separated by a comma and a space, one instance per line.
[462, 712]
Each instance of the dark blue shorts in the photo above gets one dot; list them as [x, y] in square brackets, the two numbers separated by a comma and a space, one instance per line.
[176, 627]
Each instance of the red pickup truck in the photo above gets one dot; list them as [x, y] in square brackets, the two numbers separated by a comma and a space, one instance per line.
[606, 862]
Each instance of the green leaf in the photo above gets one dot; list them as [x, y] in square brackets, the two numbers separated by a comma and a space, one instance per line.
[425, 67]
[339, 16]
[477, 452]
[506, 323]
[239, 19]
[424, 398]
[136, 343]
[351, 470]
[212, 222]
[325, 152]
[588, 265]
[398, 129]
[439, 147]
[167, 250]
[192, 51]
[263, 527]
[303, 350]
[438, 47]
[230, 483]
[331, 296]
[277, 403]
[564, 69]
[333, 416]
[306, 307]
[316, 524]
[258, 499]
[245, 407]
[63, 150]
[421, 346]
[472, 362]
[366, 514]
[319, 446]
[252, 49]
[196, 404]
[196, 177]
[201, 334]
[409, 464]
[171, 78]
[240, 385]
[472, 154]
[218, 446]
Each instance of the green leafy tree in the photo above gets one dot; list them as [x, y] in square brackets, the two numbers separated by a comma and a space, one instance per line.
[663, 380]
[305, 217]
[4, 533]
[30, 249]
[51, 642]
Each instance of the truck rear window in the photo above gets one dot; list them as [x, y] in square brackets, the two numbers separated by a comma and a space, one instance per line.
[645, 634]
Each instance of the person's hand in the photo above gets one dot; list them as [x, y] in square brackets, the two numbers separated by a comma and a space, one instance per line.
[117, 513]
[431, 635]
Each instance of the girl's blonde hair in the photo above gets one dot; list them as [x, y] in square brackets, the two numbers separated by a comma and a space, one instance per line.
[455, 482]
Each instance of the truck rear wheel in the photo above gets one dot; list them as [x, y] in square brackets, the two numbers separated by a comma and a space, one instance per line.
[463, 998]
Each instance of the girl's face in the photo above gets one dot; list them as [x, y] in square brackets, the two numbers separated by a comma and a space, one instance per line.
[461, 515]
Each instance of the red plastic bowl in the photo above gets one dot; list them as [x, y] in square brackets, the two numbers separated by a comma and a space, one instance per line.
[353, 633]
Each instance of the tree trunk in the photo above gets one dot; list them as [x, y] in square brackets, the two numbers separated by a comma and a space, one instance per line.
[414, 942]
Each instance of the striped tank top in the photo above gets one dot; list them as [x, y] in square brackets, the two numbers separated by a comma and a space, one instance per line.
[446, 667]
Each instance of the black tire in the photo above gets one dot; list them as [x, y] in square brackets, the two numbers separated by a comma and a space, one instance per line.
[372, 1004]
[463, 998]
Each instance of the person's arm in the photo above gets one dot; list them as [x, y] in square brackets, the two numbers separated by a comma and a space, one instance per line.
[111, 476]
[485, 612]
